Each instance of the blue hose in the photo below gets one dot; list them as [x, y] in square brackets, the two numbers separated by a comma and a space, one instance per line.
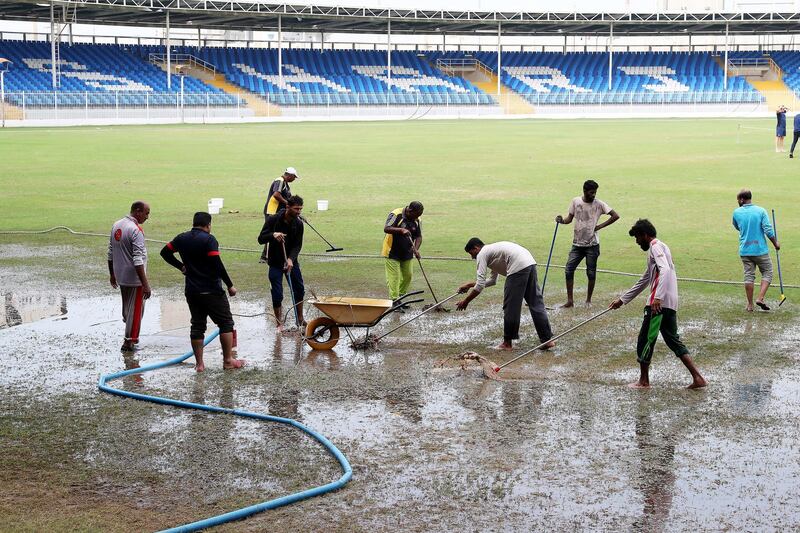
[253, 509]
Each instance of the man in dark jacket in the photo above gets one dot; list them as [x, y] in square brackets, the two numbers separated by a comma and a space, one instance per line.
[284, 233]
[204, 272]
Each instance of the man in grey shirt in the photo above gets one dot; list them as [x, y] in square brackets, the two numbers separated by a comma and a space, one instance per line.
[127, 268]
[517, 264]
[586, 210]
[660, 312]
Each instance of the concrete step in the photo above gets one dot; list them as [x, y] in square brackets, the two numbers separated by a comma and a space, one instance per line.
[776, 92]
[511, 102]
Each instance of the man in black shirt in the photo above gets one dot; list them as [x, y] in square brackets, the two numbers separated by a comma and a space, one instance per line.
[401, 242]
[284, 234]
[204, 273]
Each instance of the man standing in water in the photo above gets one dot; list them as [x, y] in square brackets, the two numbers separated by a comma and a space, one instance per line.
[586, 210]
[127, 268]
[204, 273]
[660, 313]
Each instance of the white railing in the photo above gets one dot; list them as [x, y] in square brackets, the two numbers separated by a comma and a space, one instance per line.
[450, 65]
[177, 59]
[30, 107]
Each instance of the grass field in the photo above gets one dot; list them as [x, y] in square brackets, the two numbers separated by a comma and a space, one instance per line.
[565, 446]
[496, 179]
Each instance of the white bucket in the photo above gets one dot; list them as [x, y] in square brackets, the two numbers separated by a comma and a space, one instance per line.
[322, 205]
[218, 201]
[213, 208]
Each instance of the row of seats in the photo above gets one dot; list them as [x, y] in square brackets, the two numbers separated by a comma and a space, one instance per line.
[120, 74]
[99, 72]
[547, 77]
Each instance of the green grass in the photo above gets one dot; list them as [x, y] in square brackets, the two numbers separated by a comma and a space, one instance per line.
[494, 179]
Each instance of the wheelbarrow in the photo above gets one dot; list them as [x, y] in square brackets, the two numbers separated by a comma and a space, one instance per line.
[322, 333]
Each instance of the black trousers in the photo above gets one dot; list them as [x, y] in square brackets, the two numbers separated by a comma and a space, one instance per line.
[521, 286]
[796, 136]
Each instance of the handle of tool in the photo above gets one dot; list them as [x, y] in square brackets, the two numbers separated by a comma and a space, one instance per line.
[570, 330]
[777, 252]
[289, 281]
[549, 257]
[417, 316]
[435, 299]
[332, 247]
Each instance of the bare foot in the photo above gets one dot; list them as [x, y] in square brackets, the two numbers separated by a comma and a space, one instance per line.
[639, 385]
[199, 367]
[279, 326]
[698, 383]
[588, 304]
[504, 346]
[749, 308]
[234, 364]
[551, 344]
[567, 305]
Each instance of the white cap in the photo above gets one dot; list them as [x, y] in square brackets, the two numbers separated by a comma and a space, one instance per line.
[292, 171]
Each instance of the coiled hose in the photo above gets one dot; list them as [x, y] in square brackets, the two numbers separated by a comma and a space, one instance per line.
[252, 509]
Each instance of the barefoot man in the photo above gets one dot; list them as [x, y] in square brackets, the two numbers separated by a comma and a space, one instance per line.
[204, 272]
[660, 313]
[586, 210]
[517, 264]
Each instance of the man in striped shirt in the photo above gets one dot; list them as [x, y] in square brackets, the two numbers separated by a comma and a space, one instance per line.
[127, 268]
[660, 312]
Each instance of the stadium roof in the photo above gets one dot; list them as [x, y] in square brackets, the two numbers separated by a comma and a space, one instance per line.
[261, 15]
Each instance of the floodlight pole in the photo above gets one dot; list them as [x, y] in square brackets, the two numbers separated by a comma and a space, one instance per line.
[499, 51]
[53, 45]
[610, 55]
[169, 59]
[280, 52]
[389, 54]
[3, 94]
[725, 68]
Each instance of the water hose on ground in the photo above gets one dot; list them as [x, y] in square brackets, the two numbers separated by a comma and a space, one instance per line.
[347, 471]
[368, 256]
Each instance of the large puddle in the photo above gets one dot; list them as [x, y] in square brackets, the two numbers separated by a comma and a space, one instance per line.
[432, 448]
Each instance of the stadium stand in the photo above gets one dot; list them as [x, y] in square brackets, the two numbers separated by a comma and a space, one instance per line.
[123, 74]
[582, 78]
[103, 74]
[336, 77]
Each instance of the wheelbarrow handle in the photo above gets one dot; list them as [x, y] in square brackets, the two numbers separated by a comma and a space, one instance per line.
[403, 297]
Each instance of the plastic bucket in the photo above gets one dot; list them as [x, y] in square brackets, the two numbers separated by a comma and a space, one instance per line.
[218, 201]
[213, 209]
[322, 205]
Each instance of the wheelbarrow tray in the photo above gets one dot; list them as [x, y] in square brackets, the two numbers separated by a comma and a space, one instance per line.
[352, 311]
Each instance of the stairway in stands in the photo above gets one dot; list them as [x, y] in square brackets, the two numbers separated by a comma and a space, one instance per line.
[485, 79]
[202, 70]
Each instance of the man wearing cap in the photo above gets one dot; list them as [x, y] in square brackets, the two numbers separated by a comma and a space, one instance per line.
[127, 266]
[403, 237]
[278, 198]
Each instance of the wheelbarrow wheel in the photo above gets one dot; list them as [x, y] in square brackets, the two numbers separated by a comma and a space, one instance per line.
[322, 333]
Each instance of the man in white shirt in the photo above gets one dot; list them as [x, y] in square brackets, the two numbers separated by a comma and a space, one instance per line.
[127, 269]
[660, 312]
[586, 210]
[517, 264]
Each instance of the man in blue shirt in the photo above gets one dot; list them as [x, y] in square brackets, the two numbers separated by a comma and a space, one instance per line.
[753, 224]
[796, 134]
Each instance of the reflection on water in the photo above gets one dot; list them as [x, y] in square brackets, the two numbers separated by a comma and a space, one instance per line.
[655, 440]
[24, 309]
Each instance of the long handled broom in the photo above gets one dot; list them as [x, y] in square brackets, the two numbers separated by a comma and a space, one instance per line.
[778, 258]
